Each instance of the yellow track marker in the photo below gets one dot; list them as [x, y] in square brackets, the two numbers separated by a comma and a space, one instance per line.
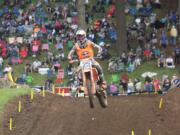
[32, 95]
[161, 103]
[10, 124]
[149, 132]
[19, 107]
[53, 90]
[132, 132]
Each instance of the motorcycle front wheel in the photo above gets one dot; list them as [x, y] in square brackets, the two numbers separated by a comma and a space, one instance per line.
[90, 94]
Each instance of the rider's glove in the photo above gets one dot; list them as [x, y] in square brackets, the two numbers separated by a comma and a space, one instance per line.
[99, 55]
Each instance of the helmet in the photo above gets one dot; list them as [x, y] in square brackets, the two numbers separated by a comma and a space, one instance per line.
[81, 37]
[81, 32]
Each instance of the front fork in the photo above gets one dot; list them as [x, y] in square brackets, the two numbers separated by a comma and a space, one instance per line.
[88, 75]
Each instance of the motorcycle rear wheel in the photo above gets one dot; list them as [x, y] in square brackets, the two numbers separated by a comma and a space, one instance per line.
[102, 99]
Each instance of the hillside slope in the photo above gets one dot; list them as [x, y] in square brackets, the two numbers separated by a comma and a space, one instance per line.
[55, 115]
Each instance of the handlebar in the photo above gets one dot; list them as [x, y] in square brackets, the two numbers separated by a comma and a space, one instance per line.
[76, 60]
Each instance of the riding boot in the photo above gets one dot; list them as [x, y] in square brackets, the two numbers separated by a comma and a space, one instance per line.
[102, 82]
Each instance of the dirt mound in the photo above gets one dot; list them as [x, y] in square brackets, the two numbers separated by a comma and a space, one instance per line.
[55, 115]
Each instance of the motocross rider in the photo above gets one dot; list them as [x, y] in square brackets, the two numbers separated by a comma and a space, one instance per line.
[84, 49]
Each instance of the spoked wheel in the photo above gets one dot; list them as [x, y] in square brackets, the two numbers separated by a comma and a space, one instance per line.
[102, 97]
[90, 94]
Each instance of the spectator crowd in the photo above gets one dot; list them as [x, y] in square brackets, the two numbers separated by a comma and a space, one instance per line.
[38, 35]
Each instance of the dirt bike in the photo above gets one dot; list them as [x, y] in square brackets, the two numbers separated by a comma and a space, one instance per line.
[89, 79]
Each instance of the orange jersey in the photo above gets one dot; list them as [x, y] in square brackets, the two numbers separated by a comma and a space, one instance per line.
[86, 52]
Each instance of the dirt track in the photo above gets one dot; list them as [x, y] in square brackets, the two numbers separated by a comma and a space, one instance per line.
[69, 116]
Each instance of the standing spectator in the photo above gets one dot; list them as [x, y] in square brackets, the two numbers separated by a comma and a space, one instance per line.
[177, 55]
[173, 35]
[1, 63]
[161, 61]
[153, 38]
[163, 39]
[87, 17]
[6, 70]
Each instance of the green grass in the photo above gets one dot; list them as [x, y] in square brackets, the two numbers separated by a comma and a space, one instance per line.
[7, 94]
[149, 66]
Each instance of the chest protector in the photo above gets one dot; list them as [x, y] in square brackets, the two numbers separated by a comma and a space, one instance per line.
[86, 52]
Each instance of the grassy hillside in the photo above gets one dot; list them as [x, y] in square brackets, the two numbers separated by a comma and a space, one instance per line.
[7, 94]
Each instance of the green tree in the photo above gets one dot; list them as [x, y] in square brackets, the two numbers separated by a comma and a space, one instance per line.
[179, 12]
[80, 5]
[121, 44]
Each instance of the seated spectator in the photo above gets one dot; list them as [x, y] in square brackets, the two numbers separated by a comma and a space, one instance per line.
[139, 4]
[123, 81]
[24, 52]
[173, 80]
[28, 68]
[36, 64]
[56, 66]
[157, 4]
[148, 79]
[138, 85]
[131, 67]
[156, 84]
[7, 69]
[20, 80]
[156, 52]
[70, 69]
[130, 87]
[44, 65]
[147, 53]
[113, 89]
[137, 61]
[105, 54]
[29, 80]
[166, 84]
[148, 87]
[161, 61]
[169, 62]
